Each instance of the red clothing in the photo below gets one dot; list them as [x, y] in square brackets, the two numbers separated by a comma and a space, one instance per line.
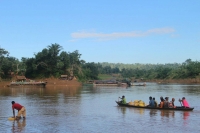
[17, 106]
[185, 103]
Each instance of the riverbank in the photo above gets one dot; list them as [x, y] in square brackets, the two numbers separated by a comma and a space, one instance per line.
[57, 82]
[181, 81]
[51, 82]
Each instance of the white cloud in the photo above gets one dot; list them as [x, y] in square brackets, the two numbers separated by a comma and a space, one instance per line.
[116, 35]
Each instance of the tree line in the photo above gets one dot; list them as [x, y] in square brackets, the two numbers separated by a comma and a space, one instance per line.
[53, 62]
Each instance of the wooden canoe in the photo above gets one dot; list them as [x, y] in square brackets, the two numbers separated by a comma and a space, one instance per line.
[145, 107]
[42, 84]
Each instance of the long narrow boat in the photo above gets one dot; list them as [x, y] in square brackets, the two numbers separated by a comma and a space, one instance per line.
[141, 84]
[110, 84]
[42, 84]
[145, 107]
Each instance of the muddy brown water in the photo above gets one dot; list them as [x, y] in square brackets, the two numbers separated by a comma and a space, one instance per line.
[89, 109]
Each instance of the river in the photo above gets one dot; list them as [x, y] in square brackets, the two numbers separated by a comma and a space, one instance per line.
[89, 109]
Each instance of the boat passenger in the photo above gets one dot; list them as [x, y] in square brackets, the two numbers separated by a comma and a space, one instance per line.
[166, 103]
[123, 100]
[21, 110]
[171, 103]
[161, 102]
[151, 102]
[184, 102]
[155, 102]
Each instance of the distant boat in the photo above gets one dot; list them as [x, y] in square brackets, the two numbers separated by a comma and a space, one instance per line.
[23, 81]
[108, 83]
[133, 84]
[33, 83]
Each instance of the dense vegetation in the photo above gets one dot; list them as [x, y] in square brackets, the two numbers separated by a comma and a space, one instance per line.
[53, 62]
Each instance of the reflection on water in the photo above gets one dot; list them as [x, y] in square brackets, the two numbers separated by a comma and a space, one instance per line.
[167, 113]
[139, 111]
[152, 112]
[186, 115]
[122, 110]
[18, 125]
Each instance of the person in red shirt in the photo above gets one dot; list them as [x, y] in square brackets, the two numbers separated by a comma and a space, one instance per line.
[21, 110]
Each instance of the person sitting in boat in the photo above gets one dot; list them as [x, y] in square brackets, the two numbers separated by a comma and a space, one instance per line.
[151, 102]
[184, 102]
[123, 100]
[161, 102]
[171, 103]
[166, 103]
[155, 102]
[21, 110]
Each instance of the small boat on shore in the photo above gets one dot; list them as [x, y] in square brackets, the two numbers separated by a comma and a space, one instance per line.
[146, 107]
[34, 83]
[109, 83]
[23, 81]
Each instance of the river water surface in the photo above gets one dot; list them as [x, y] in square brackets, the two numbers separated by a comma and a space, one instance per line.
[91, 109]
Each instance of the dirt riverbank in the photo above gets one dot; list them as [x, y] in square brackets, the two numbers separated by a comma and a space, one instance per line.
[51, 82]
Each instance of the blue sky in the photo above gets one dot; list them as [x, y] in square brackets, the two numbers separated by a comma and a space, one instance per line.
[115, 31]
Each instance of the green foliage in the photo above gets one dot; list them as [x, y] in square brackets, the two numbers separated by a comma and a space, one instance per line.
[188, 69]
[104, 76]
[51, 61]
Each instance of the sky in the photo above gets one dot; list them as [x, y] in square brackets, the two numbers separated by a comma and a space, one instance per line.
[114, 31]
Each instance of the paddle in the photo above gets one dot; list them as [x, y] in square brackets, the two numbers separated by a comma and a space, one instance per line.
[180, 101]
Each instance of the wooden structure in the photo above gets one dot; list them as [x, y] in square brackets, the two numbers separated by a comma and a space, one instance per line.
[63, 77]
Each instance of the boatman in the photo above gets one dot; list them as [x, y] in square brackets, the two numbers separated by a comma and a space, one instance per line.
[123, 100]
[21, 110]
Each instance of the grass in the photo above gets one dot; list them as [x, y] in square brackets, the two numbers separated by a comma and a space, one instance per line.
[104, 76]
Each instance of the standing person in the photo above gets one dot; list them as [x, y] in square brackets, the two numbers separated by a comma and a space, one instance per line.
[185, 103]
[21, 110]
[123, 100]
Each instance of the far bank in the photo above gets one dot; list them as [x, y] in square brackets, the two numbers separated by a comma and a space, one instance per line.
[51, 82]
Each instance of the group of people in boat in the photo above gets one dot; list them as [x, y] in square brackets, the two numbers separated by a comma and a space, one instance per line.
[165, 103]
